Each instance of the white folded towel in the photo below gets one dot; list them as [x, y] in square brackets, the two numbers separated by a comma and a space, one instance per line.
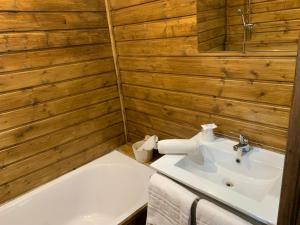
[208, 213]
[149, 144]
[169, 203]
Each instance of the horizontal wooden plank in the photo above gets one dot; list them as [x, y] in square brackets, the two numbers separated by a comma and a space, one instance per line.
[20, 80]
[206, 15]
[258, 134]
[10, 42]
[45, 110]
[52, 5]
[241, 2]
[212, 34]
[141, 130]
[156, 10]
[264, 46]
[270, 16]
[213, 44]
[35, 95]
[253, 68]
[117, 4]
[51, 140]
[49, 173]
[272, 93]
[34, 163]
[175, 27]
[43, 127]
[185, 46]
[28, 21]
[264, 114]
[132, 138]
[280, 37]
[210, 5]
[265, 6]
[269, 27]
[173, 129]
[35, 59]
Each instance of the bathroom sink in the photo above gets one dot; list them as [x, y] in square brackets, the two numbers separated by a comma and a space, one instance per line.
[250, 184]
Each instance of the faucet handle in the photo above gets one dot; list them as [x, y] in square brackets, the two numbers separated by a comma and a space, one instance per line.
[243, 140]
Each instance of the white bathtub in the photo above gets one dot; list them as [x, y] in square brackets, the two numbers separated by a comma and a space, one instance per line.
[103, 192]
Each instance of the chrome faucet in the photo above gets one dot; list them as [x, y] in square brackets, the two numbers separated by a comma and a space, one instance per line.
[243, 145]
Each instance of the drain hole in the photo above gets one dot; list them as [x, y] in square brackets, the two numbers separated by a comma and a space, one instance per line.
[229, 184]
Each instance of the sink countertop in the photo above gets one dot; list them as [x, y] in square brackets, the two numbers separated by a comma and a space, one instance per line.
[259, 178]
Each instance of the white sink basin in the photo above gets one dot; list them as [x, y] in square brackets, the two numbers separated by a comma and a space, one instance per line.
[251, 186]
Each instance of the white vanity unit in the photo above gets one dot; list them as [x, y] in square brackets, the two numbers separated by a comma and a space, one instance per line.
[249, 183]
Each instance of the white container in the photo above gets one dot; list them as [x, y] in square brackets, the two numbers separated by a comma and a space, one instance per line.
[207, 133]
[177, 146]
[142, 156]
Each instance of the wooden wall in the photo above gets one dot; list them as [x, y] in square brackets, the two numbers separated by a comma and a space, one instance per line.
[171, 89]
[59, 104]
[212, 25]
[276, 25]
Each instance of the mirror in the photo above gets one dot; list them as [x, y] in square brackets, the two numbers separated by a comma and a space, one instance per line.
[248, 25]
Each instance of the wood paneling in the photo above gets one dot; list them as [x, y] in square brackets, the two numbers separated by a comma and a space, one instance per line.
[265, 114]
[227, 126]
[116, 4]
[59, 101]
[266, 92]
[276, 25]
[153, 11]
[51, 39]
[213, 13]
[52, 5]
[50, 57]
[249, 68]
[289, 210]
[54, 74]
[174, 27]
[36, 21]
[80, 124]
[49, 157]
[171, 88]
[53, 108]
[36, 95]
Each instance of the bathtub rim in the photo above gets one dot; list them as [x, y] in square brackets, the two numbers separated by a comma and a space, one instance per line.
[119, 157]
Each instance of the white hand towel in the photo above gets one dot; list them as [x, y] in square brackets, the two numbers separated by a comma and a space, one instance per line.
[169, 202]
[208, 213]
[149, 144]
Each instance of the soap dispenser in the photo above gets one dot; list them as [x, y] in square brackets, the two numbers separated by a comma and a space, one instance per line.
[207, 133]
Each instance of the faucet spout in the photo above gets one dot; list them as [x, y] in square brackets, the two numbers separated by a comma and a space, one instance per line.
[243, 145]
